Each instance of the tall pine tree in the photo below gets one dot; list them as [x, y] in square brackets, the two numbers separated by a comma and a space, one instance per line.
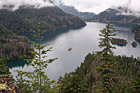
[37, 80]
[106, 77]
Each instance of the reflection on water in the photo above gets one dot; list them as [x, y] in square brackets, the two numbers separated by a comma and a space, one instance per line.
[51, 35]
[18, 63]
[82, 41]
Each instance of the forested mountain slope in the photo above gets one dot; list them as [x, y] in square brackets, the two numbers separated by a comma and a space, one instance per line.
[84, 78]
[71, 10]
[11, 45]
[120, 16]
[26, 18]
[103, 72]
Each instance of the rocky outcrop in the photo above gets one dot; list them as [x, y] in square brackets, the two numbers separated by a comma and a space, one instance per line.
[134, 44]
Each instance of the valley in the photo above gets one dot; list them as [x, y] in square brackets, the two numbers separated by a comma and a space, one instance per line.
[58, 46]
[87, 39]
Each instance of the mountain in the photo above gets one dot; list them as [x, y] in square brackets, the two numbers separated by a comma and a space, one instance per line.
[71, 10]
[25, 19]
[12, 46]
[120, 16]
[85, 79]
[4, 31]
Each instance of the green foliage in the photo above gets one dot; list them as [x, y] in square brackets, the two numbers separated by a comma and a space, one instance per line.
[119, 42]
[135, 84]
[105, 40]
[81, 80]
[37, 81]
[3, 68]
[107, 81]
[24, 19]
[126, 78]
[13, 46]
[128, 71]
[103, 72]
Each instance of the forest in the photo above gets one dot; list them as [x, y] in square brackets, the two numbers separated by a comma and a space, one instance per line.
[12, 46]
[101, 71]
[42, 44]
[24, 19]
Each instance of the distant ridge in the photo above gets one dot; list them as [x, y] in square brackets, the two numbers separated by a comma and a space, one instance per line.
[25, 19]
[71, 10]
[120, 16]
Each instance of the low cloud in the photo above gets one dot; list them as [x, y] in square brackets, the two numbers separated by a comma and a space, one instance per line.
[15, 4]
[127, 11]
[97, 6]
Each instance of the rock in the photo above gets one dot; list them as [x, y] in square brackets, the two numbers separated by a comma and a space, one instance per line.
[70, 49]
[134, 44]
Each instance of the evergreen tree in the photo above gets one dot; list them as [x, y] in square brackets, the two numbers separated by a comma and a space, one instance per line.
[3, 68]
[37, 81]
[107, 74]
[79, 81]
[136, 85]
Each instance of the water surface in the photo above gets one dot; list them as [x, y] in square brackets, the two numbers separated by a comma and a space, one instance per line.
[82, 41]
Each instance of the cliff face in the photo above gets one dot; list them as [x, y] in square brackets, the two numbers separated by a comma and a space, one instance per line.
[25, 19]
[118, 16]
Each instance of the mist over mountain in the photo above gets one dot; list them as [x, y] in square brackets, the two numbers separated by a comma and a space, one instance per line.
[94, 6]
[120, 16]
[73, 11]
[25, 17]
[127, 11]
[16, 4]
[98, 6]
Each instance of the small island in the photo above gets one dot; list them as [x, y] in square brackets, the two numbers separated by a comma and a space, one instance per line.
[137, 37]
[136, 31]
[134, 44]
[119, 42]
[70, 49]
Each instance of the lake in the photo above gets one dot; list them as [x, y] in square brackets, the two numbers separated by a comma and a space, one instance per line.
[82, 41]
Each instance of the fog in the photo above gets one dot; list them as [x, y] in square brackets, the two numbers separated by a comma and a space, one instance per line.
[97, 6]
[15, 4]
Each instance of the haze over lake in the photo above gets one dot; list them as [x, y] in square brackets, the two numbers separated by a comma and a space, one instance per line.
[82, 41]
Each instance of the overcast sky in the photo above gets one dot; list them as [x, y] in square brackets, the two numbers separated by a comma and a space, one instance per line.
[17, 3]
[95, 6]
[98, 6]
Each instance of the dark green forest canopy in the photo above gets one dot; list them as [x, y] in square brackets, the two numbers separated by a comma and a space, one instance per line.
[25, 19]
[82, 79]
[12, 46]
[3, 68]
